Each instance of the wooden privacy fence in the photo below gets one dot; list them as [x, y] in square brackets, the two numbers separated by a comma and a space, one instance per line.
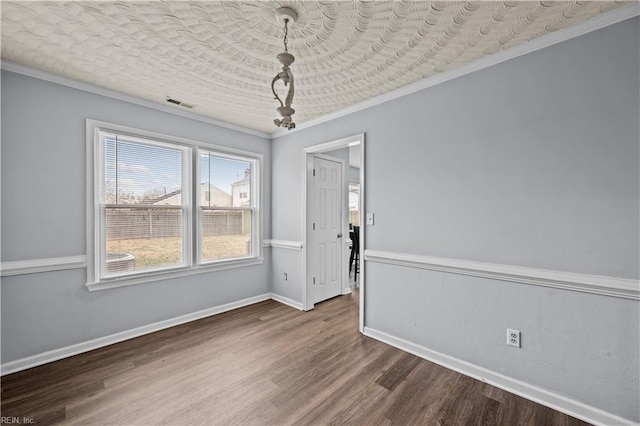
[124, 224]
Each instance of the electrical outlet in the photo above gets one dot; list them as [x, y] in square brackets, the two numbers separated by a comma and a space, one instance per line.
[513, 337]
[285, 276]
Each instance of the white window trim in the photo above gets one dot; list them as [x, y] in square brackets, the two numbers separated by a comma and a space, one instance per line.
[93, 228]
[256, 244]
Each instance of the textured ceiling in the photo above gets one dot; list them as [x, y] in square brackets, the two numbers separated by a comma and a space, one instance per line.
[221, 55]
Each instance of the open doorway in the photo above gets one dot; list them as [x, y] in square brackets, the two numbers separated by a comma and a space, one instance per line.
[349, 152]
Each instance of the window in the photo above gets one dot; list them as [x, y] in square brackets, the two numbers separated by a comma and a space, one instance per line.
[225, 220]
[162, 206]
[143, 202]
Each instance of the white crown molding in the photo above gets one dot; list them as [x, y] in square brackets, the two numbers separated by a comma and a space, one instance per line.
[595, 23]
[531, 392]
[287, 301]
[97, 90]
[284, 244]
[564, 34]
[78, 348]
[594, 284]
[33, 266]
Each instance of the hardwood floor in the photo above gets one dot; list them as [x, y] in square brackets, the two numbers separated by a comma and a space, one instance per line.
[265, 364]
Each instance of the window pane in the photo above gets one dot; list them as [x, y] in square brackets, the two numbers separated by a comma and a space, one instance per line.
[224, 182]
[139, 239]
[149, 176]
[139, 173]
[225, 234]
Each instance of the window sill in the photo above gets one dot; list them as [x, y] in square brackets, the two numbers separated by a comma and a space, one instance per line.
[165, 275]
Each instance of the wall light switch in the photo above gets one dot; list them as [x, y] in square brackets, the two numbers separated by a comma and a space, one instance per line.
[370, 219]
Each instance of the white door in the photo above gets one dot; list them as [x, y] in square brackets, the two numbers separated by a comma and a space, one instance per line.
[325, 242]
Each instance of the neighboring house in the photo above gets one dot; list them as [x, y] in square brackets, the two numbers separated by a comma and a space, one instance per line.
[241, 190]
[210, 195]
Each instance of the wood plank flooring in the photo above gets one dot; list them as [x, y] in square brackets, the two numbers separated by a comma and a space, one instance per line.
[265, 364]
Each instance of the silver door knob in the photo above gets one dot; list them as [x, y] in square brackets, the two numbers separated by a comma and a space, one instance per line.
[340, 235]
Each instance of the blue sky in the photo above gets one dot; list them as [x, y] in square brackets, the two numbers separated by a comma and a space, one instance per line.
[144, 168]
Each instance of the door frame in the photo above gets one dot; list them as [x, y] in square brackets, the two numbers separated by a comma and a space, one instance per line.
[357, 139]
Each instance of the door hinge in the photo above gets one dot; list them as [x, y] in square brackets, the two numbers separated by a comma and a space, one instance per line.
[314, 280]
[314, 172]
[314, 226]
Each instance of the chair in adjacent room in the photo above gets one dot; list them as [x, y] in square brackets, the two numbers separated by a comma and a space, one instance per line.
[354, 258]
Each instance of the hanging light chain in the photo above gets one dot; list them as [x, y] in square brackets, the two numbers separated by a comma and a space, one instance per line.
[286, 32]
[284, 15]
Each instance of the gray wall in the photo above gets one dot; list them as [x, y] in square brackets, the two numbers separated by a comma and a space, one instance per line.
[532, 162]
[43, 215]
[287, 261]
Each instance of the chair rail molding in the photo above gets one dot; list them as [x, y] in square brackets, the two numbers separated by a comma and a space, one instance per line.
[33, 266]
[284, 244]
[595, 284]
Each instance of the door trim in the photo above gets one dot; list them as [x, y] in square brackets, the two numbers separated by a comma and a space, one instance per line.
[357, 139]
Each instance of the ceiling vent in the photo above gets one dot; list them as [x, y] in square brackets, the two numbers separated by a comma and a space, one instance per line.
[180, 103]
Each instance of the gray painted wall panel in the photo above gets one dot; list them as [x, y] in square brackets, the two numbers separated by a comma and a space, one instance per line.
[532, 162]
[43, 215]
[576, 344]
[42, 312]
[289, 262]
[43, 149]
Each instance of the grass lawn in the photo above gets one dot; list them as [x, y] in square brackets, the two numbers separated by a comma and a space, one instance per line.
[152, 252]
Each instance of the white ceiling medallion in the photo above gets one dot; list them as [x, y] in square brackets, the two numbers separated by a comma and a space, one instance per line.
[285, 16]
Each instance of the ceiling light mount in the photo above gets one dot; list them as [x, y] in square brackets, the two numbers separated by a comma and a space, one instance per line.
[286, 13]
[286, 17]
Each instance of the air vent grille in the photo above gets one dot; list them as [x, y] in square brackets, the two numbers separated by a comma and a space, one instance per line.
[180, 103]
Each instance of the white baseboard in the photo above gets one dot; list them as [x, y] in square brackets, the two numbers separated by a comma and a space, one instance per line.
[56, 354]
[531, 392]
[287, 301]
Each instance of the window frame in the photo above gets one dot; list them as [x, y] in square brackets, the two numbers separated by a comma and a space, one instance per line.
[255, 167]
[96, 231]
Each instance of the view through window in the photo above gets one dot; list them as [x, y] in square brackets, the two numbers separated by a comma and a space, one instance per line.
[226, 216]
[156, 211]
